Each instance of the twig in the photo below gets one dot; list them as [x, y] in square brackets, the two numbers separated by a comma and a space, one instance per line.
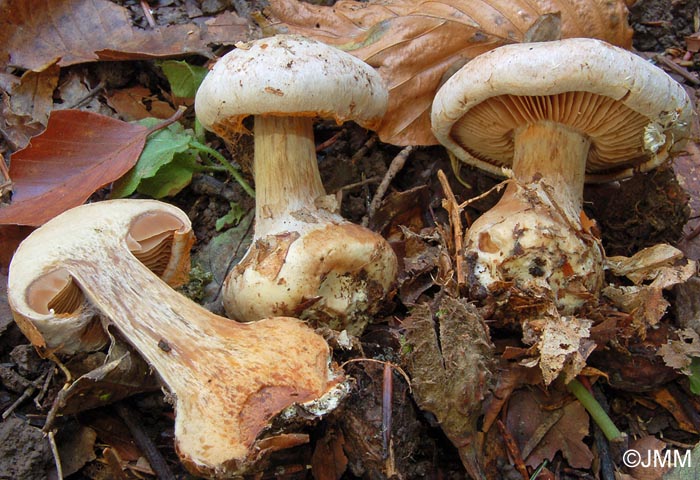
[454, 211]
[154, 457]
[147, 12]
[28, 392]
[44, 388]
[607, 466]
[366, 181]
[363, 149]
[513, 450]
[81, 101]
[329, 142]
[387, 394]
[486, 193]
[395, 167]
[56, 457]
[381, 362]
[671, 65]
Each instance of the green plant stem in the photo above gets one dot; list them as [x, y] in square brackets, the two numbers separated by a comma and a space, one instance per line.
[600, 417]
[230, 168]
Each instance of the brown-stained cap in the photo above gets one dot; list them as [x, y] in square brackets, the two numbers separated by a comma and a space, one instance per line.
[633, 113]
[289, 75]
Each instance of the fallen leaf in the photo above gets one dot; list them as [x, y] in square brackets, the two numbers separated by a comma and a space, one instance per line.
[78, 153]
[645, 264]
[449, 356]
[76, 447]
[166, 160]
[647, 446]
[525, 417]
[39, 33]
[417, 45]
[679, 353]
[562, 342]
[26, 104]
[137, 103]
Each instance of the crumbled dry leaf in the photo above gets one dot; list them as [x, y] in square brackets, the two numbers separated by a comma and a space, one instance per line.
[76, 449]
[645, 264]
[646, 303]
[679, 353]
[562, 342]
[24, 111]
[417, 45]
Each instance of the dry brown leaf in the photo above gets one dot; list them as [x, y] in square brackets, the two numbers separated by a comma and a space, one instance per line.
[525, 418]
[679, 353]
[647, 446]
[562, 342]
[416, 45]
[136, 103]
[645, 264]
[26, 105]
[39, 33]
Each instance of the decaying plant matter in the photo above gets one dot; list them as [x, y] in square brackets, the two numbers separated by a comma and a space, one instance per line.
[417, 45]
[305, 259]
[97, 266]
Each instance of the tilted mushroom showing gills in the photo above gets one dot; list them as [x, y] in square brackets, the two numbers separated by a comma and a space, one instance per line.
[556, 113]
[305, 259]
[229, 379]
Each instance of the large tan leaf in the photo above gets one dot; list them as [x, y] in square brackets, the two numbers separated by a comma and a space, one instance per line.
[38, 33]
[416, 45]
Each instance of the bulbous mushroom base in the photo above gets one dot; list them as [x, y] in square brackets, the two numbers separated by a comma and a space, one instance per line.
[527, 241]
[332, 274]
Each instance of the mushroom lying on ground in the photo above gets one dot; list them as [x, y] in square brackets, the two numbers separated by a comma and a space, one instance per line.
[305, 259]
[556, 113]
[228, 379]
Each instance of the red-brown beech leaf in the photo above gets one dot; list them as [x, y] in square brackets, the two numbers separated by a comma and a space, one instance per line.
[38, 33]
[78, 153]
[417, 44]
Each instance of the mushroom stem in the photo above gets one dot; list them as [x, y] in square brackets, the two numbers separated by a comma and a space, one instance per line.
[557, 153]
[228, 380]
[533, 236]
[286, 173]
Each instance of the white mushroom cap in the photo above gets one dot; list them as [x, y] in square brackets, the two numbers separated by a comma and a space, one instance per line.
[289, 75]
[632, 111]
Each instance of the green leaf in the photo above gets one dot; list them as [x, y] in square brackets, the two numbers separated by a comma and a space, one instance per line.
[695, 376]
[161, 148]
[233, 216]
[171, 178]
[184, 78]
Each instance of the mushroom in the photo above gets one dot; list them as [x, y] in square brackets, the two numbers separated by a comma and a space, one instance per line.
[227, 379]
[305, 259]
[552, 115]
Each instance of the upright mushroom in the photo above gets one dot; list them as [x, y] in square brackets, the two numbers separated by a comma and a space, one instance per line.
[552, 115]
[305, 259]
[228, 379]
